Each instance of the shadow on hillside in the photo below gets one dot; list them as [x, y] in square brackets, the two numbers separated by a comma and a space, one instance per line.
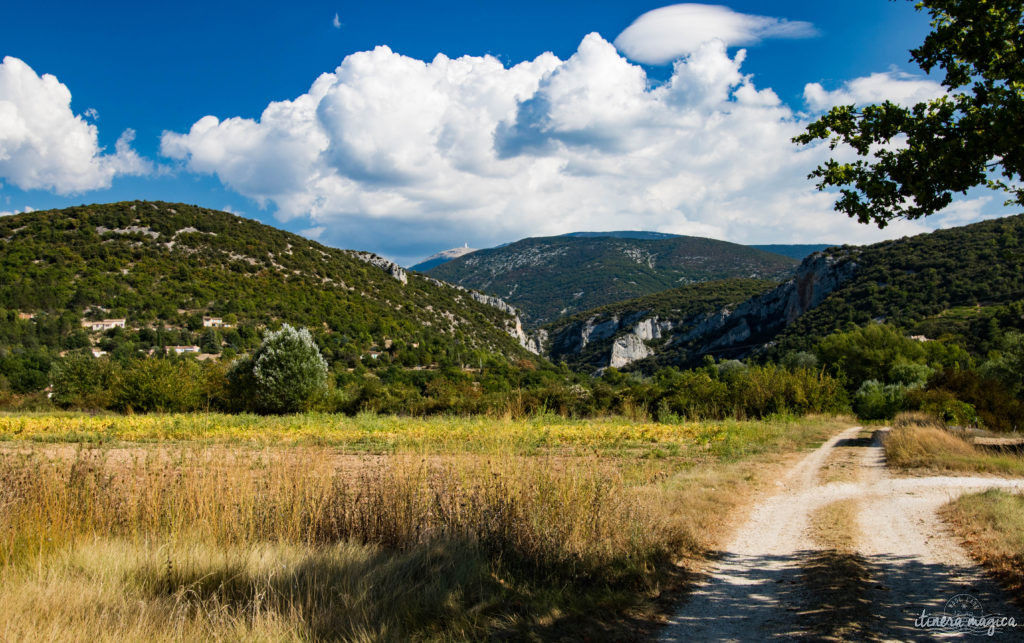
[829, 595]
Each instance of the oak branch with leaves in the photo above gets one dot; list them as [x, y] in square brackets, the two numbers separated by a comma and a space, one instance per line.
[912, 160]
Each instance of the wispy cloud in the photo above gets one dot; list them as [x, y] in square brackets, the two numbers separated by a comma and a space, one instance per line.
[336, 22]
[895, 86]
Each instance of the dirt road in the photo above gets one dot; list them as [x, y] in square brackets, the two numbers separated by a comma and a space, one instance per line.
[758, 590]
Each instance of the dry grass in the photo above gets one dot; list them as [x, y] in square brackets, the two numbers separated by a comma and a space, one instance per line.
[918, 442]
[842, 464]
[203, 541]
[834, 526]
[836, 578]
[991, 526]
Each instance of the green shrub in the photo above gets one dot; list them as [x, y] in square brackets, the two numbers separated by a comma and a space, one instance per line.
[81, 380]
[943, 405]
[877, 401]
[162, 384]
[997, 408]
[797, 360]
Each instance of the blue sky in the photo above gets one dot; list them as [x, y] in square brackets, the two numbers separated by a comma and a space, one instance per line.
[403, 154]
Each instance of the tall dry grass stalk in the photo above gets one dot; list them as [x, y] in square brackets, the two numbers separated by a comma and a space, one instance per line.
[991, 526]
[267, 543]
[542, 511]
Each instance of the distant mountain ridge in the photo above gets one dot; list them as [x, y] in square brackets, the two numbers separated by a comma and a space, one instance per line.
[792, 250]
[956, 282]
[796, 251]
[441, 257]
[550, 277]
[623, 234]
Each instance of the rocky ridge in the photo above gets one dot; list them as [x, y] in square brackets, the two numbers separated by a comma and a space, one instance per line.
[733, 330]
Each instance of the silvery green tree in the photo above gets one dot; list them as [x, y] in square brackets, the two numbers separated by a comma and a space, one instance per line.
[285, 375]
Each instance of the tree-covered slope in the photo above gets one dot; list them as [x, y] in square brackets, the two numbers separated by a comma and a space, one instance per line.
[550, 277]
[163, 266]
[964, 284]
[955, 282]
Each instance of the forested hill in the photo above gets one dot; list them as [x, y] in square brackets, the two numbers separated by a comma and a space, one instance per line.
[962, 282]
[164, 266]
[550, 277]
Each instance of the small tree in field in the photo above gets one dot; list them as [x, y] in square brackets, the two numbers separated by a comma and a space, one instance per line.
[285, 375]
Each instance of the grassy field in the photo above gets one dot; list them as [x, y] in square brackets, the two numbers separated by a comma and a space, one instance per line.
[322, 527]
[917, 442]
[991, 525]
[369, 433]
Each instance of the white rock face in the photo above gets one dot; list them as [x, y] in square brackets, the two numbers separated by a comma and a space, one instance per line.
[596, 332]
[649, 328]
[627, 349]
[389, 267]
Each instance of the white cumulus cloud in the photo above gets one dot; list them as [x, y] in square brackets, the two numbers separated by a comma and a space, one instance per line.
[898, 87]
[7, 213]
[457, 149]
[669, 33]
[44, 145]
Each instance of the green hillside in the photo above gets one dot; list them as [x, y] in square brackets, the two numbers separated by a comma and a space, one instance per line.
[164, 266]
[551, 277]
[962, 283]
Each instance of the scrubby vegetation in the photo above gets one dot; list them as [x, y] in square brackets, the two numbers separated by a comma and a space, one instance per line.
[932, 323]
[163, 267]
[964, 284]
[183, 384]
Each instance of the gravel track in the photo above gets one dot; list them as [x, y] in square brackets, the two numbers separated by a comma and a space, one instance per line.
[752, 591]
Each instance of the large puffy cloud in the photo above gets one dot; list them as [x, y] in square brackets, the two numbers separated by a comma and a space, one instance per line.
[669, 33]
[897, 87]
[457, 150]
[44, 145]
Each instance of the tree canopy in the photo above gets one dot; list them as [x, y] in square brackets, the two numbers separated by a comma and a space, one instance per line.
[912, 160]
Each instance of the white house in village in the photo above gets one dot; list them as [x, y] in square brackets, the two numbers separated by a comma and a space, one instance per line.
[98, 353]
[103, 324]
[213, 322]
[180, 350]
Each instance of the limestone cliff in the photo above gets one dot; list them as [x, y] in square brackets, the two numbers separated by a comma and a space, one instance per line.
[733, 329]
